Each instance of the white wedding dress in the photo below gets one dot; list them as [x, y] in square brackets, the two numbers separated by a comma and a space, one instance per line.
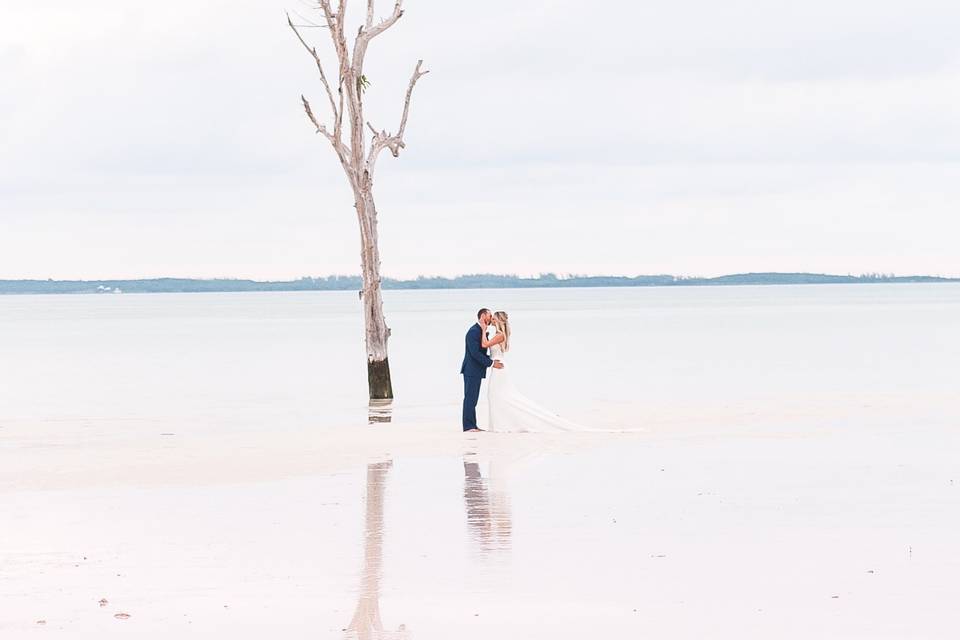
[512, 412]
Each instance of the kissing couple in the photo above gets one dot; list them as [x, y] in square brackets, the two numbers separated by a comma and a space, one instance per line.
[486, 347]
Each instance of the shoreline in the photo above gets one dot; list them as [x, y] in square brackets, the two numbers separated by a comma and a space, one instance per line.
[70, 452]
[217, 285]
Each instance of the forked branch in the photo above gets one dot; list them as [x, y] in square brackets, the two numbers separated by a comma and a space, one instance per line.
[349, 94]
[383, 140]
[369, 31]
[343, 152]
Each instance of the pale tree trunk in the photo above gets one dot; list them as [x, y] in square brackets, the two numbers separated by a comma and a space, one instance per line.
[377, 332]
[358, 161]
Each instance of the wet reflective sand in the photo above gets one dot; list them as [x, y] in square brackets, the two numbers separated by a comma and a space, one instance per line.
[757, 533]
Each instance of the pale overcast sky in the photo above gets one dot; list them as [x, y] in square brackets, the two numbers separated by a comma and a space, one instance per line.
[688, 137]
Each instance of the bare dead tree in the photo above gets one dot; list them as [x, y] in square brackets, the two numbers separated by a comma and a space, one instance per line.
[358, 159]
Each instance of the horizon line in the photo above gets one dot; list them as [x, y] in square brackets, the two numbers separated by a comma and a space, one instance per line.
[546, 275]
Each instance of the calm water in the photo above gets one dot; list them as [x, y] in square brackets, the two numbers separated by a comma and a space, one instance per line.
[605, 356]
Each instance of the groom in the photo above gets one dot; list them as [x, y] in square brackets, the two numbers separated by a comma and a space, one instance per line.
[474, 369]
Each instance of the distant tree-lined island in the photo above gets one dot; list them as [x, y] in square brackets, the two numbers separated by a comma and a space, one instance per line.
[475, 281]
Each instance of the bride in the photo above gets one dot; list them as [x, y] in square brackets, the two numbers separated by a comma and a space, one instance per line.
[509, 410]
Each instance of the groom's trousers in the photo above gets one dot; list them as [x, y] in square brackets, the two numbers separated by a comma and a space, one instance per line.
[471, 393]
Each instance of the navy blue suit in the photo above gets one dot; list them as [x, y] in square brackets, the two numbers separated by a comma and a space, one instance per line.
[474, 369]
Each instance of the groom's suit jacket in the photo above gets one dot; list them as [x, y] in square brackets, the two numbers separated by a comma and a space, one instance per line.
[475, 358]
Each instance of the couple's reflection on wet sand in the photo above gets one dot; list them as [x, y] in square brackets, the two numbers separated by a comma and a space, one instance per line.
[489, 521]
[366, 624]
[489, 525]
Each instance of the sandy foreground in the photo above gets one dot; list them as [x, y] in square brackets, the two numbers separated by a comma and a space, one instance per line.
[771, 525]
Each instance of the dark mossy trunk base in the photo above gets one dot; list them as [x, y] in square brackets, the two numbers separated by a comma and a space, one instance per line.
[378, 378]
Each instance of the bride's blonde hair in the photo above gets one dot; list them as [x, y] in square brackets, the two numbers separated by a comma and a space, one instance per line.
[502, 322]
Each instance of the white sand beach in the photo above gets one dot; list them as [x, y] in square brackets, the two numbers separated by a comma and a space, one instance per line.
[839, 531]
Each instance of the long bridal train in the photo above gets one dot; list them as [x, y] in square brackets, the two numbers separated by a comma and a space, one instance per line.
[510, 410]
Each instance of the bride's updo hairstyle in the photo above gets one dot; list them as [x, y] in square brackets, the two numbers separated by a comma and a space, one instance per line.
[502, 320]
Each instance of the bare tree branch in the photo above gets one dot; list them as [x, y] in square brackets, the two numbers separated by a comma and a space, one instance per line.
[307, 22]
[335, 24]
[338, 125]
[334, 19]
[320, 128]
[406, 102]
[328, 12]
[379, 141]
[377, 145]
[343, 152]
[371, 31]
[383, 140]
[369, 22]
[323, 76]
